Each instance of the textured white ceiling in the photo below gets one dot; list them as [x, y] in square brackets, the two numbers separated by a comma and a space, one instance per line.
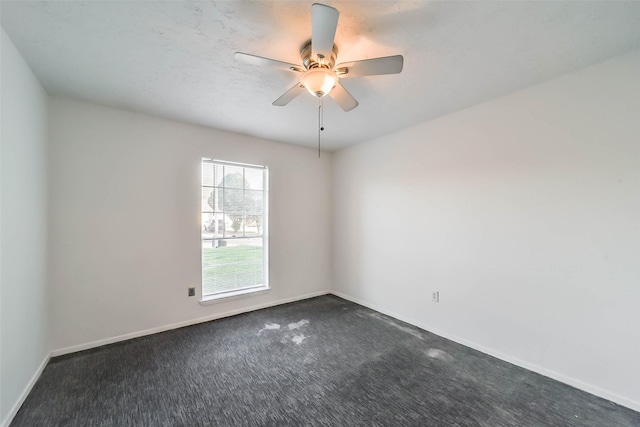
[175, 58]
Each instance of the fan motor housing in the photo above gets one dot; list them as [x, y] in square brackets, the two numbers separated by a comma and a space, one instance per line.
[310, 62]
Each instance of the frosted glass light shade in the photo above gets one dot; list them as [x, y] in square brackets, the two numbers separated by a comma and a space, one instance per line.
[319, 81]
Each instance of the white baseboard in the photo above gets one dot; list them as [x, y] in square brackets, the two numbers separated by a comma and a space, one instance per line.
[597, 391]
[16, 406]
[111, 340]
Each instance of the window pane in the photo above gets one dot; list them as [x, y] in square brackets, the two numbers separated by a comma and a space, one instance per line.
[253, 203]
[232, 200]
[207, 174]
[218, 174]
[208, 199]
[254, 178]
[213, 225]
[235, 224]
[253, 226]
[231, 265]
[207, 219]
[233, 177]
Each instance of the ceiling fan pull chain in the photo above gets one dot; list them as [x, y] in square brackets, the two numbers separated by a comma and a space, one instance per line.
[320, 122]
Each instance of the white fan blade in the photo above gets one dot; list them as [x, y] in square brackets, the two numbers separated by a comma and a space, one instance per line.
[343, 98]
[371, 67]
[289, 95]
[324, 21]
[266, 62]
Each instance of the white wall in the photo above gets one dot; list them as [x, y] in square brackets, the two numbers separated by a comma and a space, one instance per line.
[125, 203]
[524, 212]
[24, 344]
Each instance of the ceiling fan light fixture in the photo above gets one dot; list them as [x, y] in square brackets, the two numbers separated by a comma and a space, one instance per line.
[319, 81]
[319, 73]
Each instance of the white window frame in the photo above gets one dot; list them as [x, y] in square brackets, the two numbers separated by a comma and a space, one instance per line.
[224, 295]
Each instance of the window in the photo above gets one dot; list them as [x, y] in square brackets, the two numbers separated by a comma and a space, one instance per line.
[234, 228]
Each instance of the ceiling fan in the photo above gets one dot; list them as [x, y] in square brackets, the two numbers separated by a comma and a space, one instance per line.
[319, 75]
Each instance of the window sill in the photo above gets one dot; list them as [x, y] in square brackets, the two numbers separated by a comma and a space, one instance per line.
[233, 295]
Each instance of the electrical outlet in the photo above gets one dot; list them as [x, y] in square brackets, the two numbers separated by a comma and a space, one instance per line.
[192, 291]
[435, 296]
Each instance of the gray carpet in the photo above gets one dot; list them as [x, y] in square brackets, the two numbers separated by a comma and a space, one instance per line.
[323, 361]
